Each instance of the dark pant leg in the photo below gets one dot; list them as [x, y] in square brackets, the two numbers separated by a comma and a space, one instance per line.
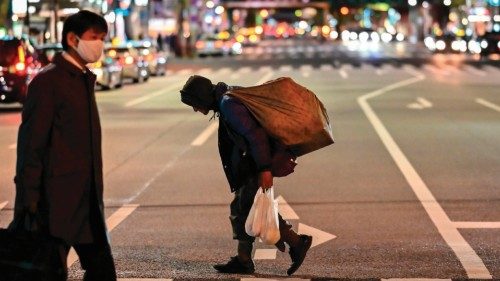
[240, 207]
[97, 261]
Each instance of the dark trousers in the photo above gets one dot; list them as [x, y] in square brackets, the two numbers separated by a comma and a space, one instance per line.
[96, 259]
[240, 207]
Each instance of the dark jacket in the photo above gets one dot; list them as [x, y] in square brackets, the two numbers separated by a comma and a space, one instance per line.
[59, 162]
[244, 146]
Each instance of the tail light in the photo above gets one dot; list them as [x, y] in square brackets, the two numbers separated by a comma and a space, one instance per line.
[219, 44]
[20, 66]
[200, 45]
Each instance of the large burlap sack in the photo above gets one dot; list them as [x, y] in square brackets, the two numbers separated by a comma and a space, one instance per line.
[288, 112]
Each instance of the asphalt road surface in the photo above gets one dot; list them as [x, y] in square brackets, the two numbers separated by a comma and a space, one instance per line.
[410, 189]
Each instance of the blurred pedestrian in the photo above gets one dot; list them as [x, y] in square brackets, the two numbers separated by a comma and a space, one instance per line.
[59, 164]
[246, 152]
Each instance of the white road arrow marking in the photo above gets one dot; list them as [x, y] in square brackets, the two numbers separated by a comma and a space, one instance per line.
[319, 236]
[285, 210]
[265, 254]
[3, 204]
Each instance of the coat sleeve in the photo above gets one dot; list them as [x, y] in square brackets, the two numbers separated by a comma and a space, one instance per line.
[33, 138]
[242, 122]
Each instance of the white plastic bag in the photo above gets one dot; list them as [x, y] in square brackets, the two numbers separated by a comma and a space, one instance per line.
[262, 220]
[255, 216]
[270, 231]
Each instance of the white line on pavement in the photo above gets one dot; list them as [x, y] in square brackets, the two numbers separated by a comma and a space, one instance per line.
[285, 210]
[343, 73]
[265, 254]
[203, 137]
[476, 224]
[265, 78]
[471, 262]
[142, 99]
[185, 72]
[424, 102]
[488, 104]
[475, 71]
[3, 204]
[13, 146]
[114, 220]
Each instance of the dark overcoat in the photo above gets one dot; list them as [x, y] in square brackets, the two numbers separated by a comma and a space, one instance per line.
[59, 161]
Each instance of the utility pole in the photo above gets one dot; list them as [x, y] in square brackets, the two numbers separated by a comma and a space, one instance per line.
[55, 8]
[27, 18]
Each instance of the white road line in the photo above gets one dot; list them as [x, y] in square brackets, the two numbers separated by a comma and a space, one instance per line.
[142, 99]
[13, 146]
[476, 224]
[326, 67]
[436, 70]
[475, 71]
[205, 135]
[265, 254]
[285, 210]
[488, 104]
[286, 68]
[424, 102]
[343, 73]
[471, 262]
[265, 78]
[113, 221]
[3, 204]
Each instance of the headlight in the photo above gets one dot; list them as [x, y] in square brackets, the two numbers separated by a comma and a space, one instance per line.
[345, 35]
[440, 45]
[363, 36]
[353, 36]
[498, 44]
[455, 45]
[474, 47]
[484, 44]
[375, 37]
[386, 37]
[429, 43]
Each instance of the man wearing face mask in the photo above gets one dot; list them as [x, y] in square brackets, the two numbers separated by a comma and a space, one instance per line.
[59, 177]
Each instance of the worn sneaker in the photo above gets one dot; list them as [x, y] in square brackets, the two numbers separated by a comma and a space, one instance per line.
[298, 254]
[234, 265]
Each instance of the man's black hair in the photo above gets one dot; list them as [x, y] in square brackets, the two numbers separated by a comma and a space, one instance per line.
[80, 22]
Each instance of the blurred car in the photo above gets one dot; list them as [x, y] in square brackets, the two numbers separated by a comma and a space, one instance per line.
[156, 60]
[211, 45]
[360, 34]
[18, 65]
[249, 36]
[129, 58]
[488, 44]
[108, 71]
[446, 43]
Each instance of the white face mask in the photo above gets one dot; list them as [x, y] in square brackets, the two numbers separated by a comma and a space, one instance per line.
[90, 50]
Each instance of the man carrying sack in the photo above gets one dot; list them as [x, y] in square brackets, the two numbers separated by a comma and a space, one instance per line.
[251, 156]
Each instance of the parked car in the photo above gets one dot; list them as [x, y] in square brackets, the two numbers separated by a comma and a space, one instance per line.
[217, 45]
[156, 60]
[210, 45]
[489, 43]
[18, 65]
[108, 71]
[129, 58]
